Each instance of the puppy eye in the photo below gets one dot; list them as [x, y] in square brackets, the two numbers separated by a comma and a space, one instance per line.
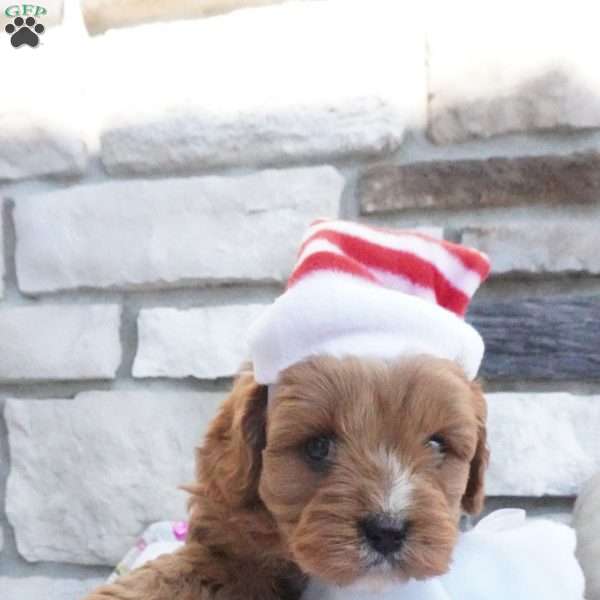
[318, 449]
[437, 443]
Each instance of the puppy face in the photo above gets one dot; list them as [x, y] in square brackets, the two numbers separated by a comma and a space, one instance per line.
[367, 465]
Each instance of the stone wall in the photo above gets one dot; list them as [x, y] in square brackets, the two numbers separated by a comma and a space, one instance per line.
[100, 15]
[155, 183]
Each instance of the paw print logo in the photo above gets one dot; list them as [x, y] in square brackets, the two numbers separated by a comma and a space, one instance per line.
[24, 31]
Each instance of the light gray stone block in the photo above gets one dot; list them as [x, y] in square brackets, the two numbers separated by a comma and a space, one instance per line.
[548, 248]
[201, 342]
[30, 147]
[88, 475]
[270, 98]
[586, 520]
[172, 232]
[45, 134]
[48, 588]
[542, 444]
[57, 342]
[2, 264]
[481, 86]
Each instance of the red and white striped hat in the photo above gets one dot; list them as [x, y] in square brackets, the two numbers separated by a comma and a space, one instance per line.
[365, 291]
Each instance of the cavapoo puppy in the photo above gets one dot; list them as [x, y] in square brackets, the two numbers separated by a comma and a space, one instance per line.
[348, 469]
[348, 450]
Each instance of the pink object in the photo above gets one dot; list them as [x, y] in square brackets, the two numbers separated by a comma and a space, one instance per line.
[141, 544]
[180, 530]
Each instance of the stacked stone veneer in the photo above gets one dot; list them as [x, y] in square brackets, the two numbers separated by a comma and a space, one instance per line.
[154, 192]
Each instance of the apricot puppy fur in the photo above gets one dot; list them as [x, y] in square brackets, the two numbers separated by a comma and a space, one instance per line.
[350, 470]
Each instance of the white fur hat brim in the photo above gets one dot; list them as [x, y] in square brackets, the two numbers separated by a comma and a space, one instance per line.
[339, 315]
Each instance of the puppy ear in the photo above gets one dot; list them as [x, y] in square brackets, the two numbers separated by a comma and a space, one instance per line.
[229, 462]
[474, 497]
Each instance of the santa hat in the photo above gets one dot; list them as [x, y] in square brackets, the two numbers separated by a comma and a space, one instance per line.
[371, 292]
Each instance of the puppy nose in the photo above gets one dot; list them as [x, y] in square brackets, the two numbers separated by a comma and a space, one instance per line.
[383, 534]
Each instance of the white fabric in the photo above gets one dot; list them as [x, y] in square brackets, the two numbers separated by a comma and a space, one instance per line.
[162, 537]
[504, 558]
[336, 314]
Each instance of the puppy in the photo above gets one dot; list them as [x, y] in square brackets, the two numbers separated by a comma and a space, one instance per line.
[348, 470]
